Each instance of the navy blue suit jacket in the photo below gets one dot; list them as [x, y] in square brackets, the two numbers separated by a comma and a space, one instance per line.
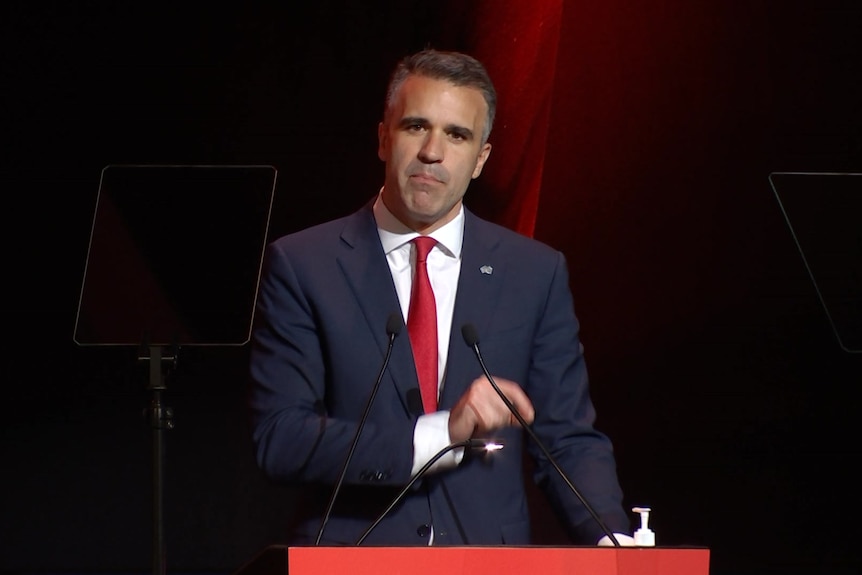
[318, 345]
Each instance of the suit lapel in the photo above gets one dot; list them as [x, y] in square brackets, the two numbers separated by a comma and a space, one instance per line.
[482, 277]
[366, 270]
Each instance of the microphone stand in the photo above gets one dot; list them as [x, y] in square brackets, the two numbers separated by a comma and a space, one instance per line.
[472, 339]
[471, 443]
[393, 328]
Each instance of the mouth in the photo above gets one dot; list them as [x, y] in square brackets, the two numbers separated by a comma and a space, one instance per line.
[424, 178]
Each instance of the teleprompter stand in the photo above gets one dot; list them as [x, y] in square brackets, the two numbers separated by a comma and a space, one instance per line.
[160, 418]
[174, 260]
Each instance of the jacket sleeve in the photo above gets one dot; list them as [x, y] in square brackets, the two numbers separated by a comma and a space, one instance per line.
[565, 417]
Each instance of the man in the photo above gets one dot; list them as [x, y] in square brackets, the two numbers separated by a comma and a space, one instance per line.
[323, 331]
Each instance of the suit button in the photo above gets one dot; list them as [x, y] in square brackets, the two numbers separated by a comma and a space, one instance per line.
[423, 530]
[370, 475]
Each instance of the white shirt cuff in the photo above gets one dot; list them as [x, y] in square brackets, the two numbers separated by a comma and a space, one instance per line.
[430, 436]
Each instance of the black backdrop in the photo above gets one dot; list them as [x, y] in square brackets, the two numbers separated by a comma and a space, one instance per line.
[714, 367]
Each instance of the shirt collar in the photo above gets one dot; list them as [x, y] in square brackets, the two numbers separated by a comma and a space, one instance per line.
[394, 234]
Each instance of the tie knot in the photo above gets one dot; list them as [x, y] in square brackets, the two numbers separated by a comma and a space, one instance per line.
[424, 244]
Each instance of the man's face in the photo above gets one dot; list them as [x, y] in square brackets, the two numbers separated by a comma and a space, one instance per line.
[431, 141]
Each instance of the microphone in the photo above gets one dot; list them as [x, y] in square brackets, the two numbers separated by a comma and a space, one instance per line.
[485, 444]
[393, 328]
[471, 337]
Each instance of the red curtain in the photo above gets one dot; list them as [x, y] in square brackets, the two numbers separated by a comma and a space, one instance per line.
[518, 43]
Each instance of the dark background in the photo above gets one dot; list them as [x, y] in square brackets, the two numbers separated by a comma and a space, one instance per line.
[714, 367]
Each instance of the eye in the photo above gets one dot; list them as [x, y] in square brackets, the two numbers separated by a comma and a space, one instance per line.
[412, 125]
[459, 135]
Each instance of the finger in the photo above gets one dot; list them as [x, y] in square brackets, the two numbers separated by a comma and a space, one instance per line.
[463, 421]
[524, 407]
[519, 400]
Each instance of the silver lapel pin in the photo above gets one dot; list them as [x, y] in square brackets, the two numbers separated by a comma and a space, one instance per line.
[487, 270]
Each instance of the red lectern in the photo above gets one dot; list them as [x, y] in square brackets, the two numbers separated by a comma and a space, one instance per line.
[284, 560]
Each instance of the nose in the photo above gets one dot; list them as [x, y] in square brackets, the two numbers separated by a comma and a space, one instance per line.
[431, 151]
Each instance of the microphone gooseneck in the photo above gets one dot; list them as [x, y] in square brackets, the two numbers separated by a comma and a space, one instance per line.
[393, 328]
[467, 443]
[471, 337]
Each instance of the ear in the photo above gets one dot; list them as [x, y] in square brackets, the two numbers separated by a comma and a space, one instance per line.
[480, 161]
[382, 142]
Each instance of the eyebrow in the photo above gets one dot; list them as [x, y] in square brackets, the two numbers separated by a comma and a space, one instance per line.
[465, 133]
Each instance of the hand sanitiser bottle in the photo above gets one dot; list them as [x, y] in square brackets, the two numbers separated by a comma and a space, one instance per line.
[644, 537]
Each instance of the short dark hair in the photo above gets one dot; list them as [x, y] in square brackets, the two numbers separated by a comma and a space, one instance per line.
[455, 67]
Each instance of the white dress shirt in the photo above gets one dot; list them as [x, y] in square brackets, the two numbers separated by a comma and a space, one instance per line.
[444, 266]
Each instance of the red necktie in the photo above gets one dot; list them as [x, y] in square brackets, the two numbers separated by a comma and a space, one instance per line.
[422, 325]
